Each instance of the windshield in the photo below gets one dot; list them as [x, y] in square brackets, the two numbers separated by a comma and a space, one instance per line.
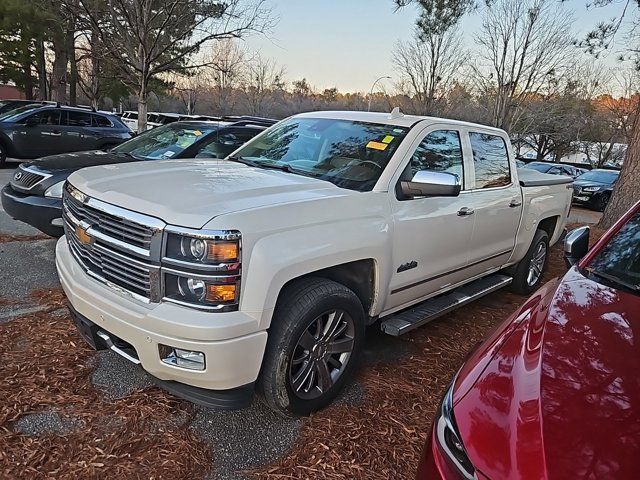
[619, 260]
[540, 167]
[600, 176]
[15, 112]
[347, 153]
[164, 142]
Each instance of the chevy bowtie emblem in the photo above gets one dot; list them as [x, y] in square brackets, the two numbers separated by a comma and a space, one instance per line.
[17, 176]
[83, 237]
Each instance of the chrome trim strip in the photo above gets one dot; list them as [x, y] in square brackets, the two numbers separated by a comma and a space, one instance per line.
[199, 276]
[114, 242]
[143, 220]
[221, 267]
[212, 308]
[205, 234]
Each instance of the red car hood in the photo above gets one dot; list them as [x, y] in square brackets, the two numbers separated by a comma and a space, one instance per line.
[560, 397]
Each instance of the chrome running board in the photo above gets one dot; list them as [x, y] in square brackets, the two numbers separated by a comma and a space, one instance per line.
[433, 308]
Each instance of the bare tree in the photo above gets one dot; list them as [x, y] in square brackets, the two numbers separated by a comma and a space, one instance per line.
[147, 38]
[260, 81]
[428, 66]
[521, 44]
[224, 73]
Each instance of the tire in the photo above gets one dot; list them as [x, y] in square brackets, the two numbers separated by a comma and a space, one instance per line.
[527, 277]
[291, 377]
[601, 202]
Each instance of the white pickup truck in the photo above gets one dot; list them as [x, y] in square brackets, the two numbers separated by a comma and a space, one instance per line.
[262, 271]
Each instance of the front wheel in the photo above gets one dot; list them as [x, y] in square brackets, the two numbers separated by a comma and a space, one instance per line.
[528, 273]
[315, 339]
[601, 202]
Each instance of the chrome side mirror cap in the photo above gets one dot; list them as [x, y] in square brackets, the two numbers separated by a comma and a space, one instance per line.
[576, 245]
[432, 184]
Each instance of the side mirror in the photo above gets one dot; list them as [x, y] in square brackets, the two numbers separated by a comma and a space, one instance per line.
[432, 184]
[576, 245]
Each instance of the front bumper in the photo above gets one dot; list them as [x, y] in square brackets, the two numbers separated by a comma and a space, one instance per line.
[35, 210]
[232, 345]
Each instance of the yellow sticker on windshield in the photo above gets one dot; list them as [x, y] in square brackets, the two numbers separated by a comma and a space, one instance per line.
[377, 145]
[388, 139]
[197, 133]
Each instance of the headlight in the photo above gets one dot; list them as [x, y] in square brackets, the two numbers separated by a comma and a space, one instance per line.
[202, 268]
[55, 190]
[590, 189]
[209, 292]
[449, 437]
[219, 248]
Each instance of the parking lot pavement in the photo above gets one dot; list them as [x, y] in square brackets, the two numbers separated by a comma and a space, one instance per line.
[584, 216]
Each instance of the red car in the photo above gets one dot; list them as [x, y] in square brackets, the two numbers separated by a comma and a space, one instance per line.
[554, 392]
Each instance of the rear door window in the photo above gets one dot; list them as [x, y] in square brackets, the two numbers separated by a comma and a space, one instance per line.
[100, 121]
[490, 160]
[79, 119]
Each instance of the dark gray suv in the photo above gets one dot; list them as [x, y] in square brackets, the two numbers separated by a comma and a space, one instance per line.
[35, 131]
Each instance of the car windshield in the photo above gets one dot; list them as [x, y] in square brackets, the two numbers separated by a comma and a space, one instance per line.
[164, 142]
[346, 153]
[600, 176]
[540, 167]
[15, 112]
[619, 260]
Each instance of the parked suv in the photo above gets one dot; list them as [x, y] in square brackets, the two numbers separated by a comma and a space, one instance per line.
[34, 193]
[34, 131]
[263, 270]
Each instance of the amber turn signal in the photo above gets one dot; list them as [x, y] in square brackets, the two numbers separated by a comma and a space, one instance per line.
[221, 293]
[222, 251]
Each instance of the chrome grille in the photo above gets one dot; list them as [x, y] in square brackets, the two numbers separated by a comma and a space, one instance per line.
[25, 178]
[112, 266]
[119, 228]
[119, 251]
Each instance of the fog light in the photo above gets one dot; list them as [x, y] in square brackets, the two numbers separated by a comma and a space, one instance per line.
[181, 358]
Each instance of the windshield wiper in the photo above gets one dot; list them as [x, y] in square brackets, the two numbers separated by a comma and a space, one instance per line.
[267, 166]
[615, 280]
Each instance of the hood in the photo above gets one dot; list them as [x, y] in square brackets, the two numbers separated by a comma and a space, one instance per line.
[561, 397]
[590, 183]
[77, 160]
[190, 193]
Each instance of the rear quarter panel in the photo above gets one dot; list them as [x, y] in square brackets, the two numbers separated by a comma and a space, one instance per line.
[540, 203]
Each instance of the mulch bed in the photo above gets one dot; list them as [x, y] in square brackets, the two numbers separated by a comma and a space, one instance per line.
[44, 367]
[383, 436]
[9, 237]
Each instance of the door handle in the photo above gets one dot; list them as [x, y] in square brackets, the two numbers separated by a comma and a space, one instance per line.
[516, 202]
[464, 211]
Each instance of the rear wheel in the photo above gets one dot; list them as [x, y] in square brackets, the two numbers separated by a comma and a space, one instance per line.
[528, 273]
[315, 339]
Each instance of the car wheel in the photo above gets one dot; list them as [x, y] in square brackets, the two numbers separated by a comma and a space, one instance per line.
[528, 273]
[601, 202]
[315, 339]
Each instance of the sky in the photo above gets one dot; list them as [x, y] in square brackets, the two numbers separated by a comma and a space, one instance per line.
[348, 43]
